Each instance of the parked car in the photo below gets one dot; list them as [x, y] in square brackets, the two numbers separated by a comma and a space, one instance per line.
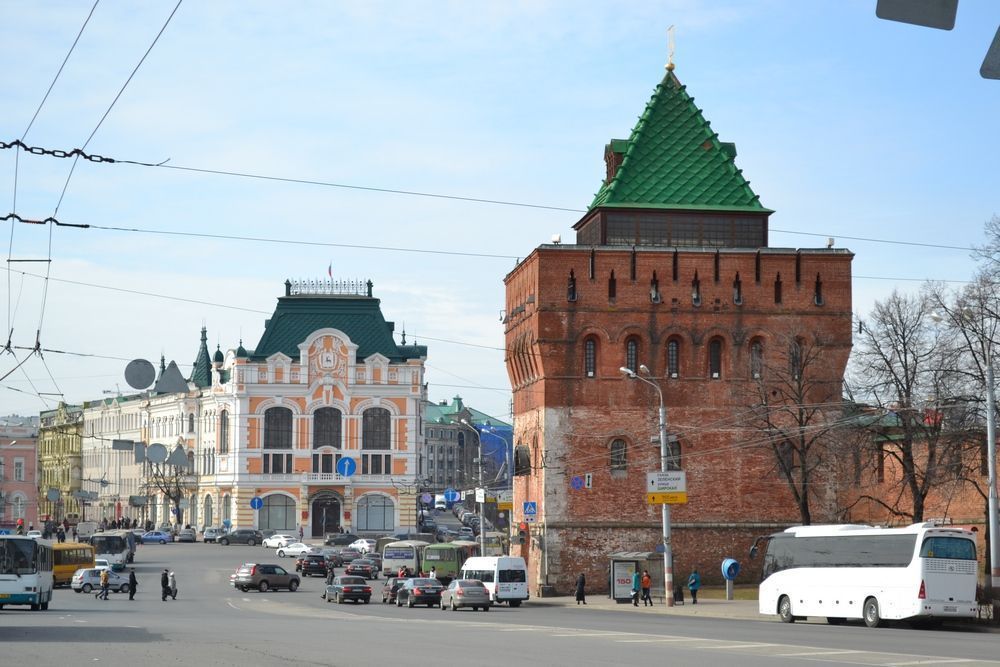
[157, 537]
[312, 564]
[241, 536]
[362, 567]
[465, 533]
[347, 555]
[419, 591]
[363, 545]
[86, 580]
[186, 535]
[296, 549]
[390, 587]
[339, 539]
[466, 593]
[34, 534]
[348, 588]
[278, 540]
[211, 534]
[263, 577]
[333, 556]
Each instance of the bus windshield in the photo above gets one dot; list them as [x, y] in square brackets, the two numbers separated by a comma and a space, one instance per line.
[18, 557]
[397, 553]
[439, 554]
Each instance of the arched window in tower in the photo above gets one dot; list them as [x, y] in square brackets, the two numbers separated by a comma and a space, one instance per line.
[612, 286]
[795, 358]
[756, 359]
[593, 264]
[277, 428]
[224, 432]
[798, 268]
[715, 267]
[190, 422]
[756, 268]
[632, 354]
[738, 291]
[777, 288]
[590, 357]
[673, 358]
[818, 291]
[619, 456]
[654, 289]
[375, 426]
[675, 267]
[571, 287]
[715, 358]
[696, 290]
[631, 265]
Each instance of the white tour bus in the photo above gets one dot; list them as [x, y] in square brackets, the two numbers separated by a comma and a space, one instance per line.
[924, 572]
[25, 571]
[506, 577]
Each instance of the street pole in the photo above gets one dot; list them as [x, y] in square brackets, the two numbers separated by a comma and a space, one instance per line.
[991, 454]
[668, 566]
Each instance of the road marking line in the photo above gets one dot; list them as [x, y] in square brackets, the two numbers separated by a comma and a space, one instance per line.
[930, 661]
[792, 655]
[232, 605]
[743, 646]
[648, 641]
[589, 634]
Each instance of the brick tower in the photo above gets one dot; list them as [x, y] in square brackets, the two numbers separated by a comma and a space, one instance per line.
[671, 270]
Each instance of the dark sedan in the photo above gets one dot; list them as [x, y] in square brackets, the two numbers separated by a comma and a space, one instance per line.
[348, 588]
[241, 536]
[339, 539]
[390, 588]
[362, 567]
[419, 591]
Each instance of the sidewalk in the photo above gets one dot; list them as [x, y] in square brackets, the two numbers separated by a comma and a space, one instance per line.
[708, 608]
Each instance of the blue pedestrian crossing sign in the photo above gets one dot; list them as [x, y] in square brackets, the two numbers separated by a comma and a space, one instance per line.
[347, 467]
[256, 503]
[530, 508]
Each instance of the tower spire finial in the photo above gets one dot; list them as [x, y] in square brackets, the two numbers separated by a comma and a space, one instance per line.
[670, 49]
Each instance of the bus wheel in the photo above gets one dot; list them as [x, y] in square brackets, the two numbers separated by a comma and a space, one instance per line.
[785, 610]
[872, 617]
[835, 620]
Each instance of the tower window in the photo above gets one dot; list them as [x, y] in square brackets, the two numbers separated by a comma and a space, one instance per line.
[818, 291]
[571, 287]
[696, 290]
[673, 357]
[777, 288]
[738, 291]
[715, 358]
[632, 354]
[756, 359]
[590, 357]
[654, 289]
[612, 287]
[619, 456]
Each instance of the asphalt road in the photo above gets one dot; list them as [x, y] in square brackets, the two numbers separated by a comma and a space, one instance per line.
[213, 624]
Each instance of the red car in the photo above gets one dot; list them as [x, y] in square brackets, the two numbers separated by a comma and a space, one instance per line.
[362, 568]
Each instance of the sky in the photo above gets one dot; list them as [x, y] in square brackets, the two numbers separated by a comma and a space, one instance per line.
[870, 132]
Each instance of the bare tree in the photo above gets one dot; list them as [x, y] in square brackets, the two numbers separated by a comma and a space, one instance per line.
[796, 413]
[904, 367]
[172, 481]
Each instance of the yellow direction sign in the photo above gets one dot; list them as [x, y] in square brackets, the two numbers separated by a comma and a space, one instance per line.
[502, 506]
[667, 498]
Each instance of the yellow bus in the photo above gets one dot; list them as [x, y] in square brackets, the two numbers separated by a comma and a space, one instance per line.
[68, 557]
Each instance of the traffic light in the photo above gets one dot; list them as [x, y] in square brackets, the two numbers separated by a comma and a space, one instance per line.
[522, 533]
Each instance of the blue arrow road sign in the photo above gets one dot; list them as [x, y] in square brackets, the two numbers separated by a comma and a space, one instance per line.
[576, 482]
[347, 467]
[256, 503]
[530, 508]
[452, 496]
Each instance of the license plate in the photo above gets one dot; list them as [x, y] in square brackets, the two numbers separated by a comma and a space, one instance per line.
[950, 608]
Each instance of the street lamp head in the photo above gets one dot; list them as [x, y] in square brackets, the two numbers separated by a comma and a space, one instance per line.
[644, 369]
[627, 372]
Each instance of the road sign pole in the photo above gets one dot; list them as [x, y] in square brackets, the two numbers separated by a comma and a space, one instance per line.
[668, 556]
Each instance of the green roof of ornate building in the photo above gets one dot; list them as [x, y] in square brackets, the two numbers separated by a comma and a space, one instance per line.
[201, 373]
[674, 160]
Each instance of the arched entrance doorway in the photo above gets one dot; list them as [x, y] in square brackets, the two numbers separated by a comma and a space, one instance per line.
[325, 514]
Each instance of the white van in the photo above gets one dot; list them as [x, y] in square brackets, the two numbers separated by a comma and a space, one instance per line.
[506, 577]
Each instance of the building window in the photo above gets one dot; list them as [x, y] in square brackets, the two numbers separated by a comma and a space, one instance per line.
[206, 511]
[756, 359]
[226, 502]
[325, 463]
[571, 287]
[715, 359]
[619, 456]
[19, 506]
[376, 464]
[278, 513]
[818, 291]
[786, 457]
[376, 512]
[612, 286]
[631, 272]
[190, 422]
[592, 264]
[277, 464]
[880, 463]
[654, 289]
[738, 291]
[326, 428]
[590, 357]
[224, 432]
[18, 470]
[795, 359]
[696, 290]
[777, 288]
[277, 428]
[673, 357]
[632, 354]
[375, 429]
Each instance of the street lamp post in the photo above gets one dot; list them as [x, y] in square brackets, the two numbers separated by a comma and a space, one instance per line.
[668, 557]
[480, 489]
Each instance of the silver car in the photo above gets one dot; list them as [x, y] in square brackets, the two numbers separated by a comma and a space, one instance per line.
[186, 535]
[465, 593]
[86, 580]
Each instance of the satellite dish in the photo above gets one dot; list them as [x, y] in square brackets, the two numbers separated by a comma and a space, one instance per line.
[139, 374]
[156, 453]
[52, 495]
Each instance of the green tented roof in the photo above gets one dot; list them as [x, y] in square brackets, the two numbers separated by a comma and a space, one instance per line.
[360, 317]
[436, 413]
[673, 160]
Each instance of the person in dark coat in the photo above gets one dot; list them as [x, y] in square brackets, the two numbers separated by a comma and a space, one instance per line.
[165, 585]
[132, 584]
[581, 589]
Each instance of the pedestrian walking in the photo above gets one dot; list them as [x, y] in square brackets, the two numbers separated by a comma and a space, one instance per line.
[694, 583]
[635, 588]
[433, 573]
[133, 583]
[581, 589]
[172, 582]
[165, 585]
[105, 584]
[302, 533]
[647, 583]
